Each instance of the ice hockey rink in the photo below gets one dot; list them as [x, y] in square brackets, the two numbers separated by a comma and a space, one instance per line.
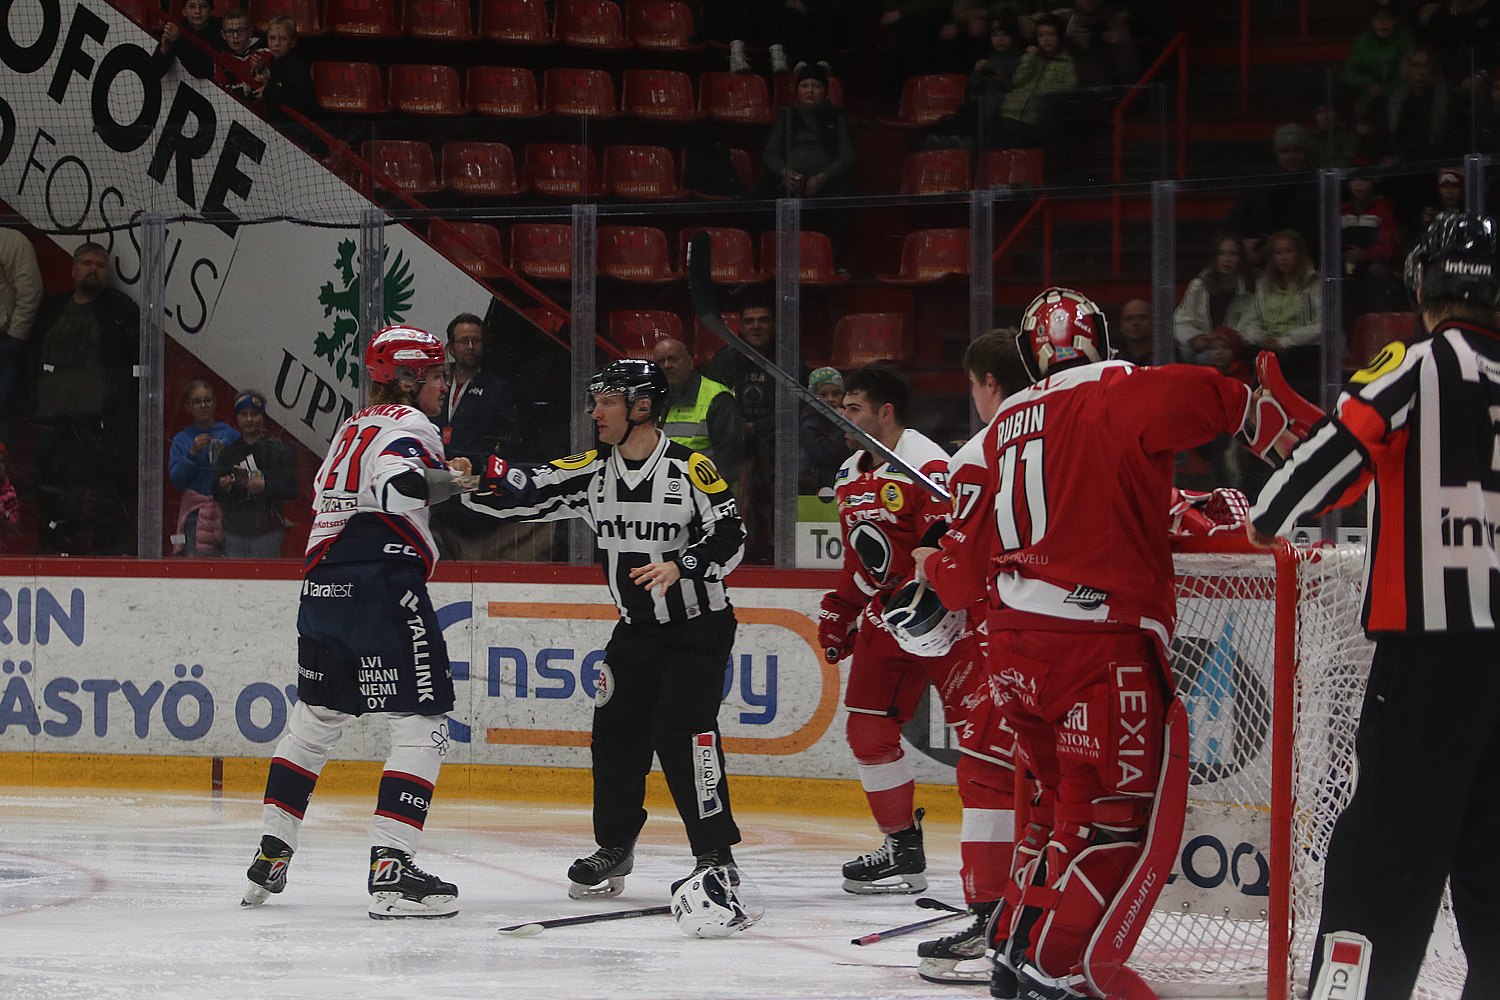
[118, 895]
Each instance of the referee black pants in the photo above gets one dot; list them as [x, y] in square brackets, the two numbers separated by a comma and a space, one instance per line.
[1426, 808]
[664, 687]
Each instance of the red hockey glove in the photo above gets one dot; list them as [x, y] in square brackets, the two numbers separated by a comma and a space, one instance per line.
[1198, 515]
[837, 617]
[500, 476]
[1280, 417]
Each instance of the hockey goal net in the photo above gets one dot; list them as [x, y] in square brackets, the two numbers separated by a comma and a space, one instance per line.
[1271, 663]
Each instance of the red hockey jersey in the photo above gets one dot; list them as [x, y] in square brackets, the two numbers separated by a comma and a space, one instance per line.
[884, 514]
[1068, 485]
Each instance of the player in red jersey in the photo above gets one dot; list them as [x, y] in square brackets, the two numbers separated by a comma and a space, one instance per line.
[1066, 487]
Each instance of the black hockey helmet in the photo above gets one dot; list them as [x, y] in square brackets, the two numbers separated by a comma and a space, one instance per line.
[634, 378]
[1455, 260]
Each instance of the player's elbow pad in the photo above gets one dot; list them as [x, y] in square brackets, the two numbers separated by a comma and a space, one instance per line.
[404, 491]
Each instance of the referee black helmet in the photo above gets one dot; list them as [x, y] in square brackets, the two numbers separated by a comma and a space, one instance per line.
[1454, 261]
[634, 378]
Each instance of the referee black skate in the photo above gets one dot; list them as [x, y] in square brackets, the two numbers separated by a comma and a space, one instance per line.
[1423, 423]
[668, 534]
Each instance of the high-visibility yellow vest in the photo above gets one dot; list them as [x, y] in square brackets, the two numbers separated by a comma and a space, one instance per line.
[688, 424]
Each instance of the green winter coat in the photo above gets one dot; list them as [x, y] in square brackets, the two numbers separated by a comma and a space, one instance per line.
[1376, 61]
[1035, 78]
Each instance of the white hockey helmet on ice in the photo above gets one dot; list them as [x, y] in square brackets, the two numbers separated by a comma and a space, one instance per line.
[920, 623]
[715, 903]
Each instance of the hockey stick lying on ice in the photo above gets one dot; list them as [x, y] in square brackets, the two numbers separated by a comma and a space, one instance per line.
[907, 928]
[928, 903]
[537, 926]
[706, 305]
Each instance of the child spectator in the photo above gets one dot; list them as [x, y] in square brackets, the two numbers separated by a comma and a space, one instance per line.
[197, 60]
[1217, 296]
[1045, 70]
[253, 478]
[1450, 195]
[1370, 247]
[244, 56]
[191, 463]
[1225, 353]
[994, 74]
[1373, 68]
[823, 446]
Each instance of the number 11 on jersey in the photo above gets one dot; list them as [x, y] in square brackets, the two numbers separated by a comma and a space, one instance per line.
[1021, 488]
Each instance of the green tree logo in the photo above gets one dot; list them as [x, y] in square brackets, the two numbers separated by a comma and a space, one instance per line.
[341, 347]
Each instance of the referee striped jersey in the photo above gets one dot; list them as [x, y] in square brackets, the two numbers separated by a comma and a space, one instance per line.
[1423, 422]
[675, 506]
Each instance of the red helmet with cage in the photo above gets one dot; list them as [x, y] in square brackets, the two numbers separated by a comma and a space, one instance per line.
[1061, 328]
[398, 350]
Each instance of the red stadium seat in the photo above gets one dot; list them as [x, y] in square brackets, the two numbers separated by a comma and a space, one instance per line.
[427, 90]
[443, 20]
[935, 171]
[503, 91]
[480, 168]
[584, 93]
[784, 90]
[635, 254]
[861, 338]
[591, 24]
[662, 94]
[926, 100]
[542, 250]
[636, 331]
[1011, 168]
[734, 97]
[743, 166]
[645, 172]
[406, 163]
[354, 87]
[661, 25]
[731, 254]
[473, 246]
[303, 12]
[1372, 331]
[562, 170]
[364, 18]
[817, 266]
[930, 255]
[707, 343]
[516, 22]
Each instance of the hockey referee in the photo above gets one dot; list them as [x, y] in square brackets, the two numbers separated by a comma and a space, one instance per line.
[1423, 422]
[668, 534]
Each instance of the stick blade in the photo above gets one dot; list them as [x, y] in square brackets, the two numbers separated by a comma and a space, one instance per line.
[521, 930]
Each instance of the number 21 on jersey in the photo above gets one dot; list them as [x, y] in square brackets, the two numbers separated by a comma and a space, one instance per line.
[1021, 499]
[348, 455]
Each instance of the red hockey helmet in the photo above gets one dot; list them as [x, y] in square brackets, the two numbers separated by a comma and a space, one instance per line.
[402, 350]
[1060, 328]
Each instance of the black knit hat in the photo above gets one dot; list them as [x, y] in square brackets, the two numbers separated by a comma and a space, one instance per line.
[812, 71]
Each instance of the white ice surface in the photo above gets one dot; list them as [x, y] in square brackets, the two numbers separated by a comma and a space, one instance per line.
[113, 895]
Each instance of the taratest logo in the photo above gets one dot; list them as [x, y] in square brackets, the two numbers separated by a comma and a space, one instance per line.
[340, 347]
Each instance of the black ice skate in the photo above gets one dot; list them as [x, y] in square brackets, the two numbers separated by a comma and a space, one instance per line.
[1031, 984]
[267, 872]
[398, 888]
[719, 857]
[601, 874]
[941, 958]
[898, 867]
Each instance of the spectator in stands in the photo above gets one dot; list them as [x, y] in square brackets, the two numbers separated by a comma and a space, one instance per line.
[1417, 112]
[244, 56]
[1217, 296]
[994, 74]
[811, 150]
[253, 478]
[1045, 71]
[1289, 200]
[823, 446]
[1374, 66]
[192, 466]
[1137, 341]
[1285, 314]
[701, 414]
[965, 38]
[1103, 48]
[1449, 192]
[20, 297]
[756, 394]
[177, 39]
[1332, 143]
[286, 79]
[10, 504]
[1370, 245]
[86, 360]
[1224, 351]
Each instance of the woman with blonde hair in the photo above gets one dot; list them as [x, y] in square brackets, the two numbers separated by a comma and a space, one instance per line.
[1285, 314]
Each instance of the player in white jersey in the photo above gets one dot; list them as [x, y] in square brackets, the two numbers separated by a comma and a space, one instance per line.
[368, 640]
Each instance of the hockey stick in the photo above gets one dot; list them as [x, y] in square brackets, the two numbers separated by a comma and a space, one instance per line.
[906, 928]
[928, 903]
[706, 305]
[537, 926]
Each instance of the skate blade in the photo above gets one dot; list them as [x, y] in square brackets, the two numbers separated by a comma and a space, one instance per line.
[945, 971]
[255, 894]
[394, 906]
[607, 889]
[891, 885]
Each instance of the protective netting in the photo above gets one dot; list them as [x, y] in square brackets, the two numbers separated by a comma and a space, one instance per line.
[1211, 931]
